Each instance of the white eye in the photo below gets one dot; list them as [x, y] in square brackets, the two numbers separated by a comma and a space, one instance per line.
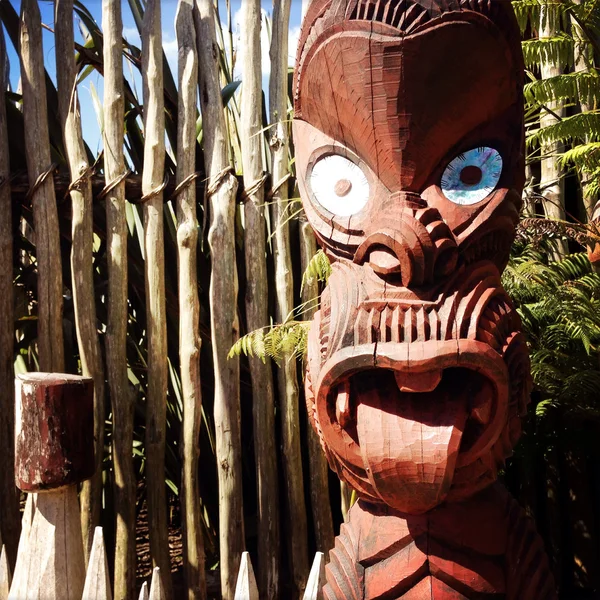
[472, 175]
[339, 185]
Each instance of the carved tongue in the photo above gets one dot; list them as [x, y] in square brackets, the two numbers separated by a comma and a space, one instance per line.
[409, 441]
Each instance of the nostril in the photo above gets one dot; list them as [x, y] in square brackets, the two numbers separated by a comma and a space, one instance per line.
[382, 260]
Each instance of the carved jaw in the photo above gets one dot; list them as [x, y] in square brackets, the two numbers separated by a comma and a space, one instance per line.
[428, 420]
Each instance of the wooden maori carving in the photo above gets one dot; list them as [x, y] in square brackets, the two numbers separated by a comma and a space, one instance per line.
[409, 151]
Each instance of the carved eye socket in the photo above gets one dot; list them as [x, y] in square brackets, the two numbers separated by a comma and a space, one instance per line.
[339, 185]
[472, 175]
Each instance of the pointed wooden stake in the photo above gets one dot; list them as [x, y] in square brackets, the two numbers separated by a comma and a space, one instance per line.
[4, 575]
[245, 588]
[144, 592]
[316, 579]
[157, 591]
[97, 583]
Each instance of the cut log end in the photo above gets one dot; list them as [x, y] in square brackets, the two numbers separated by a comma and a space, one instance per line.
[54, 431]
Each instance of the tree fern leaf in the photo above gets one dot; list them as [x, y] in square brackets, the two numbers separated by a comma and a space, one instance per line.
[555, 49]
[576, 87]
[584, 126]
[586, 157]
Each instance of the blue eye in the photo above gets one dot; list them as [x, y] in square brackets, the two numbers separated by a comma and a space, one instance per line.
[472, 175]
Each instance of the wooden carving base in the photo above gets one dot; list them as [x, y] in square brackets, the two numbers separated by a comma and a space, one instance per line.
[483, 548]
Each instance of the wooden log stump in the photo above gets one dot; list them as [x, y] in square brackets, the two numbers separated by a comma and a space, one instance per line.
[54, 451]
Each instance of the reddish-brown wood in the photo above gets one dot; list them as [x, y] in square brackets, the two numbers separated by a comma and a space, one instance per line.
[54, 430]
[409, 152]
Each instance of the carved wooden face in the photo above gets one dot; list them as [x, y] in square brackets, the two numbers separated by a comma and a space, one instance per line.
[409, 158]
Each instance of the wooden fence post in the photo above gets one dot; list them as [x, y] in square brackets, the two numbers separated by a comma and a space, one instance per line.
[152, 188]
[116, 329]
[4, 574]
[220, 193]
[257, 302]
[54, 451]
[9, 500]
[157, 589]
[97, 582]
[316, 578]
[43, 199]
[245, 588]
[189, 304]
[82, 263]
[287, 374]
[144, 591]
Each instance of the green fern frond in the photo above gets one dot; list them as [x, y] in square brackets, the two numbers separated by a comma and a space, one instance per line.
[584, 126]
[555, 49]
[318, 268]
[288, 339]
[530, 11]
[575, 87]
[586, 157]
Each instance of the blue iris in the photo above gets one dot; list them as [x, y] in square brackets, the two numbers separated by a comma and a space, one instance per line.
[472, 175]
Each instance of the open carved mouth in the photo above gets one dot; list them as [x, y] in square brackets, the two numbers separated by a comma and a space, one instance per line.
[457, 397]
[407, 425]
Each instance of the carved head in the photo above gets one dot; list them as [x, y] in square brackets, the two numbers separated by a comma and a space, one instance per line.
[409, 155]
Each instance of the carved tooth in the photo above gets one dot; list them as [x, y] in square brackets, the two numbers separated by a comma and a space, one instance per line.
[482, 411]
[342, 405]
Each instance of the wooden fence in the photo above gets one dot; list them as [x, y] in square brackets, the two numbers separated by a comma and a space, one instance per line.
[84, 249]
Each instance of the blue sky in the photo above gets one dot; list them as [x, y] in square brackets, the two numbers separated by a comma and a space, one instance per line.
[91, 127]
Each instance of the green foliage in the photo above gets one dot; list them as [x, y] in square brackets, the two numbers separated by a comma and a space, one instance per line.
[571, 87]
[287, 340]
[570, 129]
[557, 49]
[318, 268]
[559, 305]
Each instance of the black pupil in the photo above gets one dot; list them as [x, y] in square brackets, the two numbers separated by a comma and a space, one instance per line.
[471, 175]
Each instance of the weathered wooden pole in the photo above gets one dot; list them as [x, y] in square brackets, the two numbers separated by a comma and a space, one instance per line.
[287, 374]
[116, 329]
[41, 192]
[152, 188]
[9, 500]
[257, 302]
[220, 192]
[81, 253]
[189, 304]
[54, 452]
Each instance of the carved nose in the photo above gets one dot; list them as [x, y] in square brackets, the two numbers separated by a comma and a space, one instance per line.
[413, 242]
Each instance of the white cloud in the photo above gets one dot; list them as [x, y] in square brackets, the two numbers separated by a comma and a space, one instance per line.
[132, 35]
[293, 36]
[171, 51]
